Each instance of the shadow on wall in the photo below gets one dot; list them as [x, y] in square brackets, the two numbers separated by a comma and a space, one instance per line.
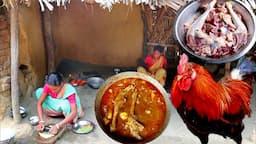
[67, 67]
[26, 82]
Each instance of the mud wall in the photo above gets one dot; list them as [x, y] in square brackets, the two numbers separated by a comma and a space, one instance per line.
[5, 79]
[88, 33]
[31, 53]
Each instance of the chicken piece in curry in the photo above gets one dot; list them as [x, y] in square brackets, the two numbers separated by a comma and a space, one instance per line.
[133, 108]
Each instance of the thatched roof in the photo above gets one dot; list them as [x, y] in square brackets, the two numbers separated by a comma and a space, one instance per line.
[49, 4]
[174, 4]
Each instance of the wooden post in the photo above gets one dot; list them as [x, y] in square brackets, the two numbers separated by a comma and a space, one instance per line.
[227, 68]
[14, 26]
[49, 41]
[145, 15]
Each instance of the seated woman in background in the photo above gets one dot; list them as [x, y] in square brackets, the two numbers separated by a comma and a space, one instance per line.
[156, 64]
[57, 99]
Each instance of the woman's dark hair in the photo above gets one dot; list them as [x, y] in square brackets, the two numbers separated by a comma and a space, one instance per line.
[54, 78]
[159, 48]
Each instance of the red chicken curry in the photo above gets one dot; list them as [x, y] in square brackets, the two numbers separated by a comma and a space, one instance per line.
[133, 108]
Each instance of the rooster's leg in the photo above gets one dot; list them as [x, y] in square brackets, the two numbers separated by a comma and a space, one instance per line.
[238, 139]
[236, 135]
[203, 138]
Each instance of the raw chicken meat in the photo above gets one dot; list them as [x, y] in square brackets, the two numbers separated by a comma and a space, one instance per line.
[218, 32]
[241, 31]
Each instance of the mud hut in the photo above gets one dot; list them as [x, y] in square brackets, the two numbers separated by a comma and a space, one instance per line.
[41, 34]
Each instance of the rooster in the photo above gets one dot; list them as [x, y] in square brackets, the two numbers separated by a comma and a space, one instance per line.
[207, 106]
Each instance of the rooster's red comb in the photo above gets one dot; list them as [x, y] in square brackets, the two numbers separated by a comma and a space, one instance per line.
[183, 59]
[182, 62]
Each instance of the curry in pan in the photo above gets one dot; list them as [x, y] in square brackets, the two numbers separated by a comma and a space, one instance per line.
[133, 108]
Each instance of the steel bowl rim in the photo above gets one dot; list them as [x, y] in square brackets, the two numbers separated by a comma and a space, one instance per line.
[230, 58]
[23, 114]
[88, 123]
[95, 82]
[9, 130]
[34, 120]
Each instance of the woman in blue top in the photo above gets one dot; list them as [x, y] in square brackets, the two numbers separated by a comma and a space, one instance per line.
[57, 98]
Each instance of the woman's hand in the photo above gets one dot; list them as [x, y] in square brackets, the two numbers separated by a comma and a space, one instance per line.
[40, 126]
[54, 129]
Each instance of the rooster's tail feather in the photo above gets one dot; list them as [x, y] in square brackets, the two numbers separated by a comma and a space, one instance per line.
[240, 94]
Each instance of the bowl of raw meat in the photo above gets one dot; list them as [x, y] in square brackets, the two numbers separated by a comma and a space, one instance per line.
[218, 33]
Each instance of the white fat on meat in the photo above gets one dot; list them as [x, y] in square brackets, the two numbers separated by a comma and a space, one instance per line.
[195, 31]
[196, 27]
[241, 31]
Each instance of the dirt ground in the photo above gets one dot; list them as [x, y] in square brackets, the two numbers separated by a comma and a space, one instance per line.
[175, 132]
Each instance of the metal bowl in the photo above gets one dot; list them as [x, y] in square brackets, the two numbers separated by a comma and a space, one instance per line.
[95, 82]
[124, 75]
[187, 13]
[83, 127]
[7, 136]
[34, 120]
[23, 112]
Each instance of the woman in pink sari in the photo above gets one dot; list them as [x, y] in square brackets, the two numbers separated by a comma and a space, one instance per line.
[57, 98]
[156, 64]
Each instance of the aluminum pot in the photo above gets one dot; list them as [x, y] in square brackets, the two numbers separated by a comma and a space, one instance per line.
[187, 13]
[23, 112]
[7, 136]
[121, 76]
[95, 82]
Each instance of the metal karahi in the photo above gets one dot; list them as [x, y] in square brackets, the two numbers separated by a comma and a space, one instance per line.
[132, 107]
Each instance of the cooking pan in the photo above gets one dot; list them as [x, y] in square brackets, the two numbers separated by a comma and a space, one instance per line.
[127, 75]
